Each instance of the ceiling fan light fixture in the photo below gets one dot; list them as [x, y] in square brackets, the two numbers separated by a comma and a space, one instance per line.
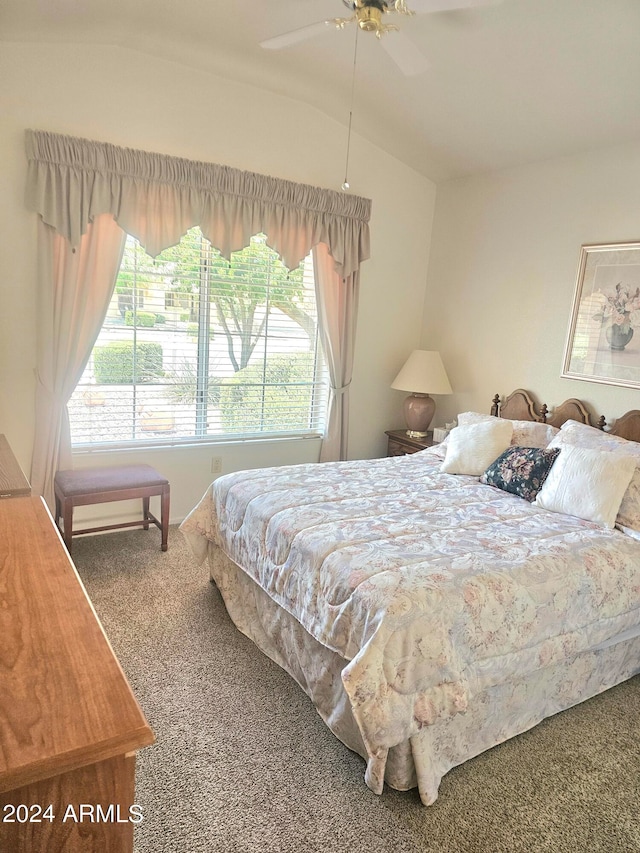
[369, 19]
[369, 13]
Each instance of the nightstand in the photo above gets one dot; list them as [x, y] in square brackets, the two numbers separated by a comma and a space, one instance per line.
[400, 443]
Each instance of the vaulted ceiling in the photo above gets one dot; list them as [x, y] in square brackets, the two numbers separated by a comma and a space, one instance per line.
[507, 83]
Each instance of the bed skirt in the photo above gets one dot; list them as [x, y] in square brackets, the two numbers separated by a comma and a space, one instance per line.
[493, 716]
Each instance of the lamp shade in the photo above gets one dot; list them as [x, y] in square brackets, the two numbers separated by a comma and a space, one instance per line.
[423, 373]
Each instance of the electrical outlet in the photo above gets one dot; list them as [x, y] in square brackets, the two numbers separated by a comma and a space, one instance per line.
[216, 465]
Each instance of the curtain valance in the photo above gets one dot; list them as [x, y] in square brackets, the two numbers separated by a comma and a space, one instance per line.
[157, 198]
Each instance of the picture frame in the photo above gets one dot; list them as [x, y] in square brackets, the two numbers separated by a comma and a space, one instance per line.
[603, 340]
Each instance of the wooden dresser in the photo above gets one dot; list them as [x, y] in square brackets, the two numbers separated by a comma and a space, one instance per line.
[69, 723]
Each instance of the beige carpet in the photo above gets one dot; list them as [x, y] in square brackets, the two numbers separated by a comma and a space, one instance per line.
[243, 762]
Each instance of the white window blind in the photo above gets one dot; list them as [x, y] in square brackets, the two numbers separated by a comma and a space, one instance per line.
[196, 347]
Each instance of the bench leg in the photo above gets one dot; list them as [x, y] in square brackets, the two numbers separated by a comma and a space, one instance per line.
[145, 513]
[67, 520]
[164, 517]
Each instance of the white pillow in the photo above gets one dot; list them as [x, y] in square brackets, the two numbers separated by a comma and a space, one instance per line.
[525, 433]
[472, 448]
[587, 483]
[582, 435]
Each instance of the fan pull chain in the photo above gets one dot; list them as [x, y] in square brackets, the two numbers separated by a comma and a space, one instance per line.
[345, 185]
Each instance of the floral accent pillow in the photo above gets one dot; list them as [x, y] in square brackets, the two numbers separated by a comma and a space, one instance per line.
[525, 433]
[520, 471]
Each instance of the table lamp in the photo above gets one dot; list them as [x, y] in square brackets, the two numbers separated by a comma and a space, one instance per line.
[423, 374]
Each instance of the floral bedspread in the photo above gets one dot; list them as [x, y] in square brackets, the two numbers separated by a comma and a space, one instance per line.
[432, 586]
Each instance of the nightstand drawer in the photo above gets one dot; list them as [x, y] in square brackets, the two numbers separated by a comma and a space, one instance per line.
[396, 448]
[400, 444]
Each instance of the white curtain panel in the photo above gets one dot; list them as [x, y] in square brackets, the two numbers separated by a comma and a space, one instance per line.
[75, 287]
[337, 301]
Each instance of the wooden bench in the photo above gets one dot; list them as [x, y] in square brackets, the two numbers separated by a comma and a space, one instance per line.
[101, 485]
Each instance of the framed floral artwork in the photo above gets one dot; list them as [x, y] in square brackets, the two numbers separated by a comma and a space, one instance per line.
[603, 343]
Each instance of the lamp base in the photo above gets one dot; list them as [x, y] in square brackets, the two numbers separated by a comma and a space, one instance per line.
[418, 412]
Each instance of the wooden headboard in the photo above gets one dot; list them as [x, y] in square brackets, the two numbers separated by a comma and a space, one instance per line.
[520, 405]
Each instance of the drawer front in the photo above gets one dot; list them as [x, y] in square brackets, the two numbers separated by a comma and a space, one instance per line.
[396, 448]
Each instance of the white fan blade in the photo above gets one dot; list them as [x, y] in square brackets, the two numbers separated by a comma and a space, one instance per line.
[404, 53]
[420, 7]
[296, 36]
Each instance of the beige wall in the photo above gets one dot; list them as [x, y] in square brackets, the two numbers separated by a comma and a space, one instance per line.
[120, 96]
[503, 268]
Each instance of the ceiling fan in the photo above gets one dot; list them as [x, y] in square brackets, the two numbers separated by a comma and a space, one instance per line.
[368, 15]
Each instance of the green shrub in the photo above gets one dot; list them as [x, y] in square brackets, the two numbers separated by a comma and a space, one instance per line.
[139, 318]
[182, 385]
[113, 364]
[285, 405]
[160, 319]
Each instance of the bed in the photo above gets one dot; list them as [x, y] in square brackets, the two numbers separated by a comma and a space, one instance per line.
[429, 615]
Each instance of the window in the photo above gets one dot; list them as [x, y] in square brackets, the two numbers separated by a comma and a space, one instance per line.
[195, 347]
